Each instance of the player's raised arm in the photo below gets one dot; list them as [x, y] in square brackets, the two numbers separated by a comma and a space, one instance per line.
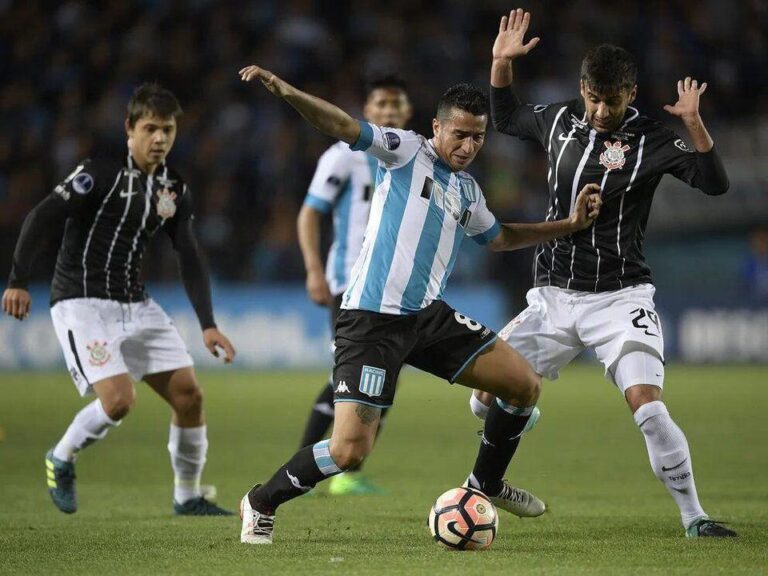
[509, 45]
[585, 211]
[324, 116]
[707, 173]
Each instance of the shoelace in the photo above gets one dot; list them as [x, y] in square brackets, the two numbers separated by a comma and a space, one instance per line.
[512, 494]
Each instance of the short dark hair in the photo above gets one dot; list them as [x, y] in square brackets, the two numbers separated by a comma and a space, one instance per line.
[388, 81]
[464, 97]
[152, 99]
[607, 69]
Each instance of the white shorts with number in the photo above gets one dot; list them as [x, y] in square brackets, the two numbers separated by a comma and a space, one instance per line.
[103, 338]
[559, 324]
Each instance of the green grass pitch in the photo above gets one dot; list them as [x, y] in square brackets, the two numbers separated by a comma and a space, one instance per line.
[586, 459]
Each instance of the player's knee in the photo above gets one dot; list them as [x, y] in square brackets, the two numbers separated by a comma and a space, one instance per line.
[188, 401]
[527, 389]
[118, 404]
[348, 454]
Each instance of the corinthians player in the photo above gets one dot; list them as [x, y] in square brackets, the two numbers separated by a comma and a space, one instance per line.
[593, 288]
[110, 331]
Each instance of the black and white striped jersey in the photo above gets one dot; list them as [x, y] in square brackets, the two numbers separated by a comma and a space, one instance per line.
[627, 164]
[113, 210]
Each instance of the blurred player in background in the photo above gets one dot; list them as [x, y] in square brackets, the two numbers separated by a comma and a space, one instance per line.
[593, 288]
[343, 186]
[392, 313]
[110, 331]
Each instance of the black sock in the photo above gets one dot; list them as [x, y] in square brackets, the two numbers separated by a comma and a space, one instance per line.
[320, 419]
[298, 476]
[501, 436]
[359, 467]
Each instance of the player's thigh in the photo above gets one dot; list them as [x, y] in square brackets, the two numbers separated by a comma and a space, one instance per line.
[155, 346]
[545, 332]
[504, 373]
[624, 323]
[90, 336]
[370, 351]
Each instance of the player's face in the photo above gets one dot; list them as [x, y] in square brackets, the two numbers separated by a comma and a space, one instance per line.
[388, 107]
[459, 137]
[151, 139]
[606, 111]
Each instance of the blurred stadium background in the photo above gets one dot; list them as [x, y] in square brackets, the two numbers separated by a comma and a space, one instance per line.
[69, 67]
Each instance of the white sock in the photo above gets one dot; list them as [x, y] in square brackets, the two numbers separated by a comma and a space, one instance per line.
[188, 448]
[670, 458]
[89, 425]
[478, 408]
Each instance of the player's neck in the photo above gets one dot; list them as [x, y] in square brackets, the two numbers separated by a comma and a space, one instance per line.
[144, 166]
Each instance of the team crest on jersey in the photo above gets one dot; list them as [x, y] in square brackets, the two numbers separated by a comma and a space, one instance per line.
[613, 156]
[99, 355]
[166, 207]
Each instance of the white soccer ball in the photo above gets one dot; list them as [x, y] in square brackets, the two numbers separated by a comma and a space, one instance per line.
[463, 519]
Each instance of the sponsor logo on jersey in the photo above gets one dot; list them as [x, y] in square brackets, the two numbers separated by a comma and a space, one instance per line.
[452, 203]
[682, 145]
[62, 191]
[613, 156]
[82, 183]
[99, 355]
[391, 140]
[166, 205]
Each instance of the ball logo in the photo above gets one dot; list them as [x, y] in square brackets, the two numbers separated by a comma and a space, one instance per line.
[480, 509]
[613, 156]
[391, 140]
[82, 183]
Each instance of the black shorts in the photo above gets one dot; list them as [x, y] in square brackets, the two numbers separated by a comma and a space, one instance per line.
[371, 348]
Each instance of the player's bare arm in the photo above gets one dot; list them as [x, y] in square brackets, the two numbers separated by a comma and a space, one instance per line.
[510, 44]
[324, 116]
[585, 212]
[308, 228]
[687, 109]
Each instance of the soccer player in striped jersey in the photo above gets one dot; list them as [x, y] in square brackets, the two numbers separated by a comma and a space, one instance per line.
[343, 186]
[392, 312]
[111, 332]
[593, 288]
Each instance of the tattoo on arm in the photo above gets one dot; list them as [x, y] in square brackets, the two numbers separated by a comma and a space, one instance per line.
[367, 414]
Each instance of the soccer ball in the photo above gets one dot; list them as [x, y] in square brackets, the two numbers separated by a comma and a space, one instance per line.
[463, 519]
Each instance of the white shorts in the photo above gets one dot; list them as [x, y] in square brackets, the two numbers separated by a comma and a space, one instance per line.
[559, 324]
[103, 338]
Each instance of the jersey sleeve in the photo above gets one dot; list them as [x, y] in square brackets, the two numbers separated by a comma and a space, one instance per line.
[333, 170]
[392, 146]
[526, 121]
[84, 184]
[482, 226]
[677, 158]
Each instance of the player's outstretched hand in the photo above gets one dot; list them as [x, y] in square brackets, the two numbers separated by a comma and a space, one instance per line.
[510, 42]
[272, 82]
[17, 302]
[688, 94]
[318, 289]
[214, 340]
[587, 207]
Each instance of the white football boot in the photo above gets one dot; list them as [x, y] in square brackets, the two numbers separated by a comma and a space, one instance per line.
[257, 527]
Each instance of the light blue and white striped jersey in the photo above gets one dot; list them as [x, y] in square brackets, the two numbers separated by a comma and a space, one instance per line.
[420, 212]
[343, 184]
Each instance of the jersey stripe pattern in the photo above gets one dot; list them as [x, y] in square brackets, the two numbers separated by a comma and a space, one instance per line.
[420, 212]
[628, 164]
[343, 186]
[113, 209]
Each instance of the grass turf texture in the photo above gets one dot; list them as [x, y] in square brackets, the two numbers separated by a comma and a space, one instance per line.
[586, 459]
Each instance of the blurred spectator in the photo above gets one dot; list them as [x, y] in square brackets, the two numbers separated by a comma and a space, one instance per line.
[756, 266]
[68, 69]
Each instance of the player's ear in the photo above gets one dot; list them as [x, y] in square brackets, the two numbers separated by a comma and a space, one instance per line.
[632, 94]
[436, 127]
[128, 128]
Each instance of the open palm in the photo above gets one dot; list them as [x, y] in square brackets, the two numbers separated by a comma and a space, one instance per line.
[688, 93]
[510, 42]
